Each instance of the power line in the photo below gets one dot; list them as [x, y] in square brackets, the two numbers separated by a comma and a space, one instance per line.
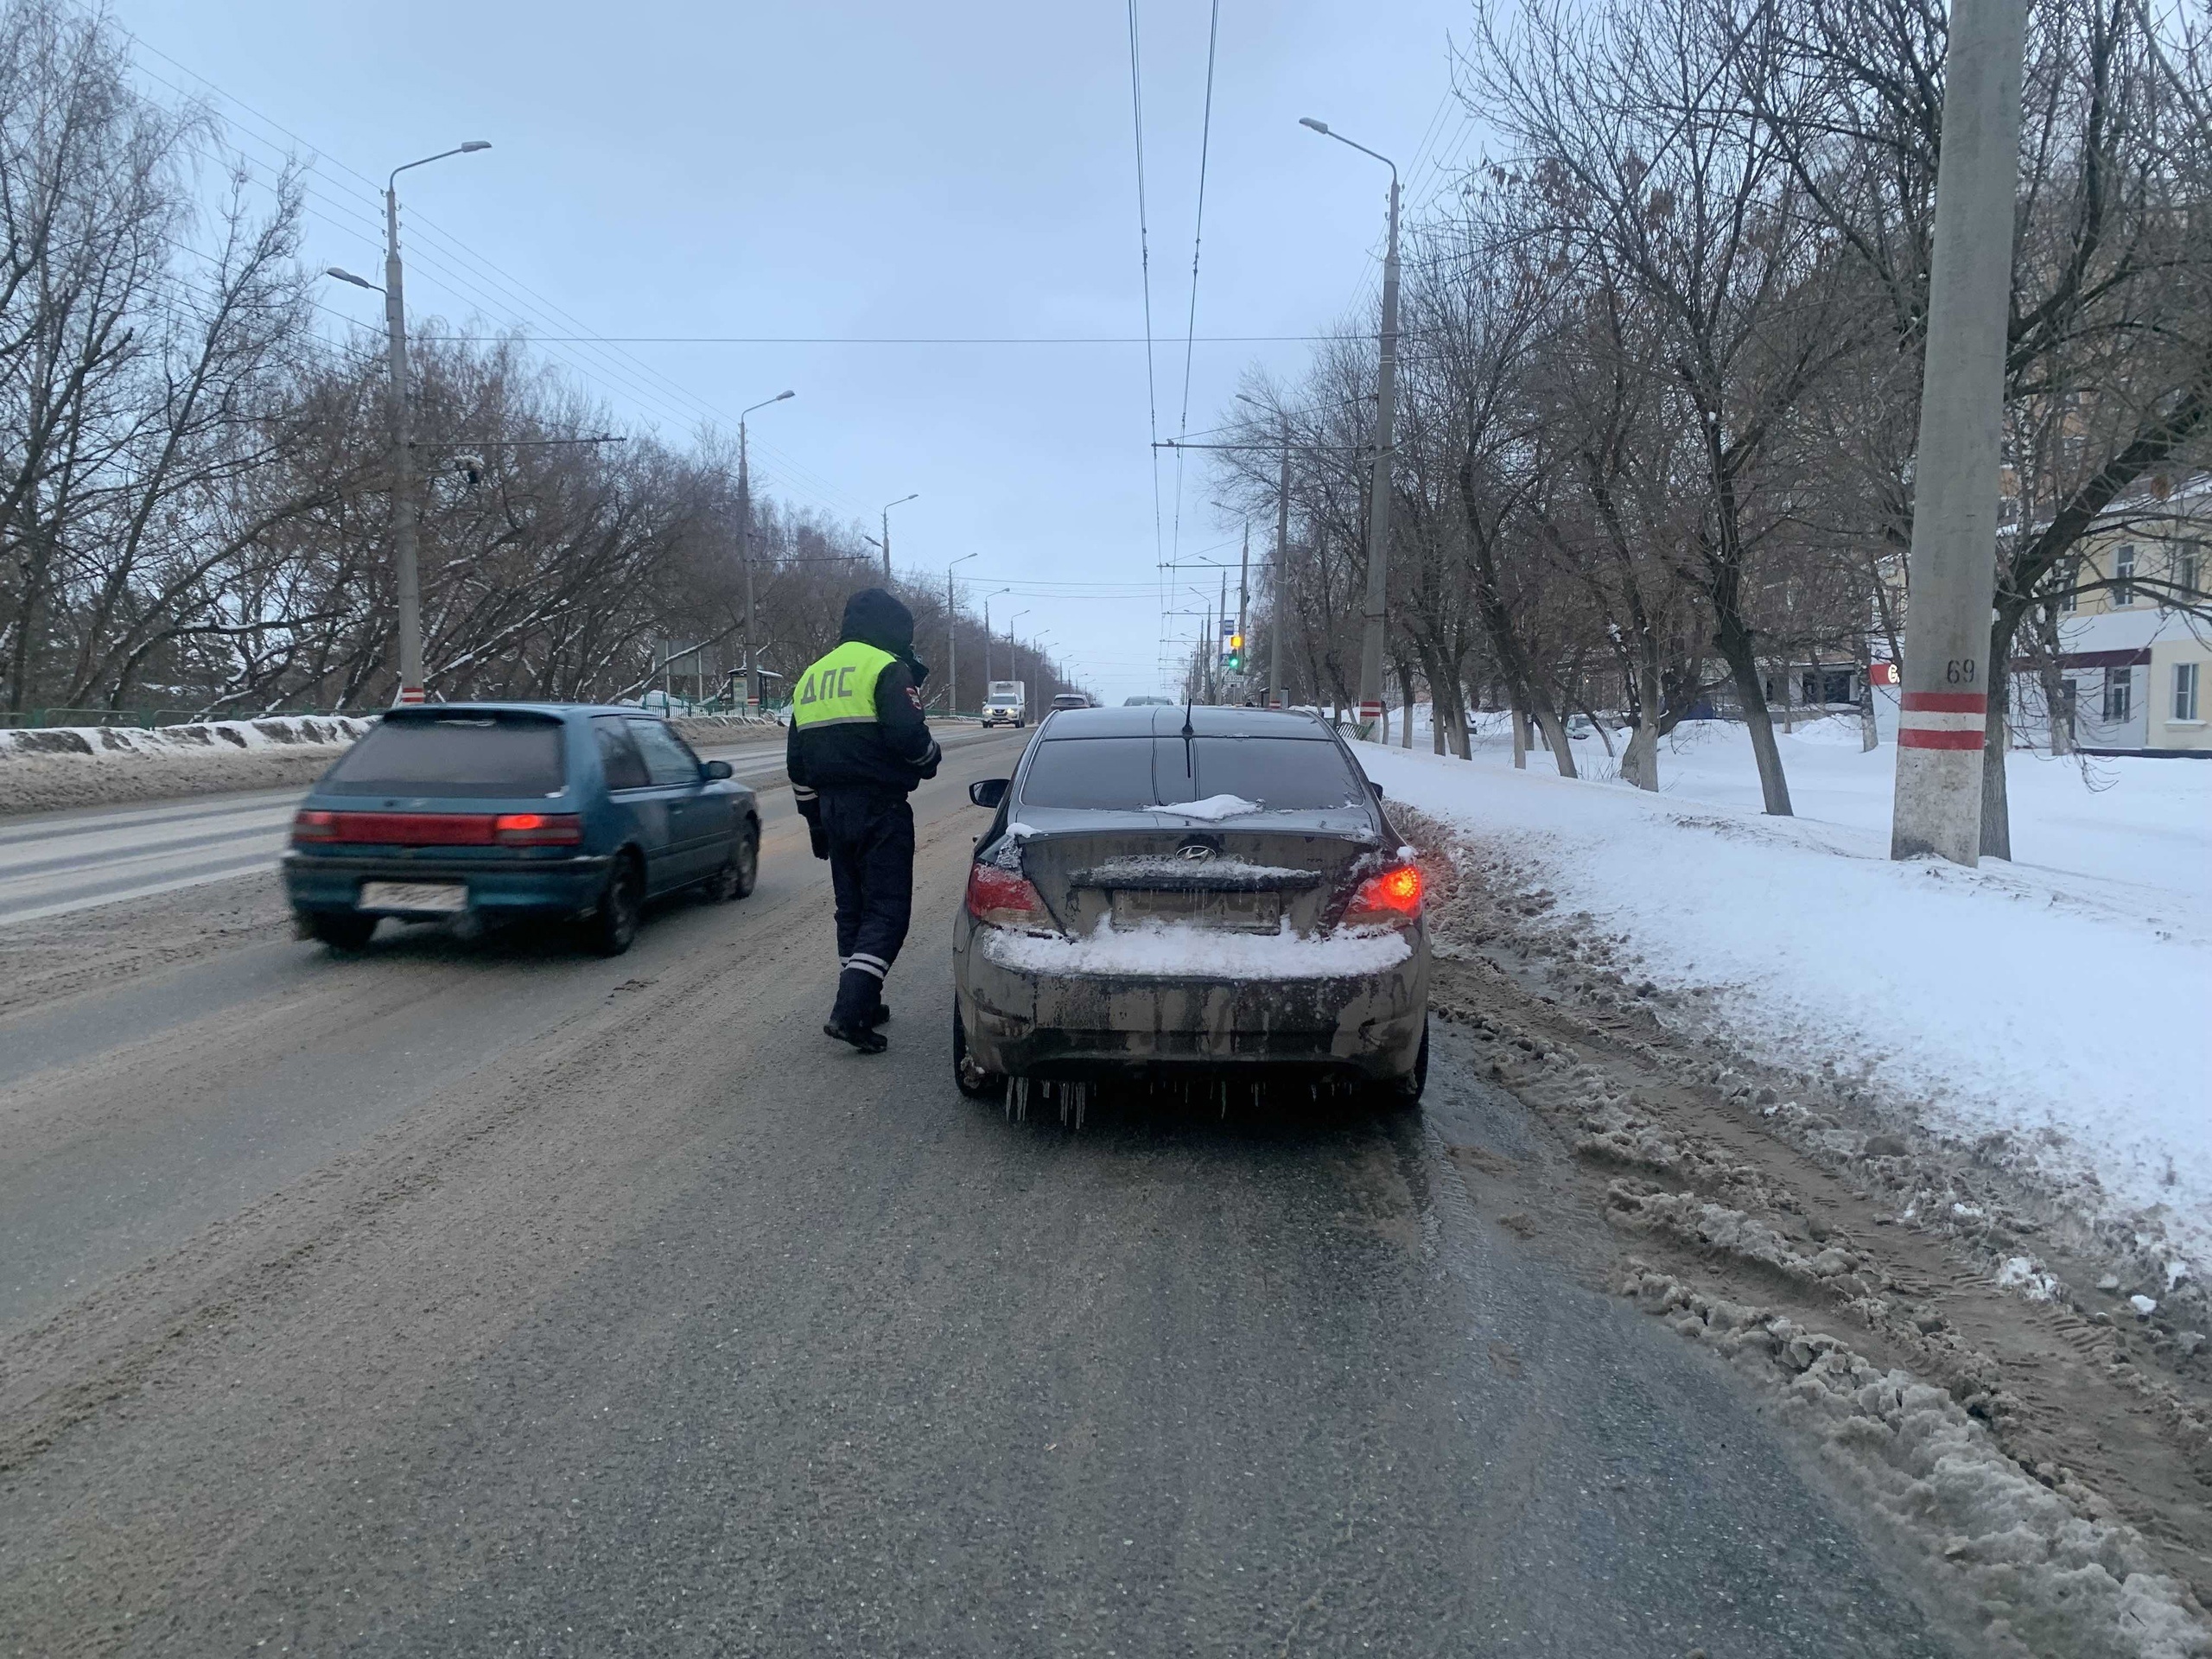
[598, 363]
[1144, 262]
[1197, 235]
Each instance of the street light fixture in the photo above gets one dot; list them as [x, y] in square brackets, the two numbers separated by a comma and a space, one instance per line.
[745, 549]
[407, 566]
[885, 542]
[1378, 506]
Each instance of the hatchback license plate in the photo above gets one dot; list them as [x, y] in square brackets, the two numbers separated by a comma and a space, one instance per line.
[440, 896]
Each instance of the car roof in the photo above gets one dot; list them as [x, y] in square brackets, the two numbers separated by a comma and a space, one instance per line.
[1206, 721]
[550, 710]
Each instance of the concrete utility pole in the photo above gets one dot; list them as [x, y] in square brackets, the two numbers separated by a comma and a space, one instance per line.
[745, 552]
[953, 636]
[1374, 632]
[1243, 600]
[1947, 677]
[885, 542]
[406, 563]
[1277, 696]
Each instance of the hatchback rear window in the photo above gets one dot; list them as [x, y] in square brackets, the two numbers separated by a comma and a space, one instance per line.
[465, 755]
[1105, 773]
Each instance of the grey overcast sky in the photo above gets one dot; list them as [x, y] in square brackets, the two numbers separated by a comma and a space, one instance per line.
[870, 168]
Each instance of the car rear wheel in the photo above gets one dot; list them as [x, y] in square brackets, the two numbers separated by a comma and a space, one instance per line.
[612, 926]
[345, 930]
[1402, 1094]
[972, 1079]
[740, 871]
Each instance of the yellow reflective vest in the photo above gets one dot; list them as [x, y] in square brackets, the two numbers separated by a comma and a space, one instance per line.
[840, 688]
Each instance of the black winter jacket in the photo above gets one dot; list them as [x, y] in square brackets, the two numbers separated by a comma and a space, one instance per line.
[897, 752]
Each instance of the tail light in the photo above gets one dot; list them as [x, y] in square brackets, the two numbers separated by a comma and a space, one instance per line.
[999, 898]
[308, 826]
[1390, 898]
[537, 830]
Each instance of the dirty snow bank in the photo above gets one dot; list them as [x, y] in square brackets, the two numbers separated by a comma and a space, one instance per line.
[2063, 1002]
[45, 767]
[1177, 950]
[2051, 1572]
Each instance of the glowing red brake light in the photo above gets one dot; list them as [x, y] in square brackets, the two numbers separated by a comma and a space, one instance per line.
[1000, 898]
[315, 826]
[537, 830]
[1392, 898]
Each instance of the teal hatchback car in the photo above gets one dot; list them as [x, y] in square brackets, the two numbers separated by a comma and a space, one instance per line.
[468, 812]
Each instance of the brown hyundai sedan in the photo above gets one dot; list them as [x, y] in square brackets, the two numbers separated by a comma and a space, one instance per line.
[1166, 891]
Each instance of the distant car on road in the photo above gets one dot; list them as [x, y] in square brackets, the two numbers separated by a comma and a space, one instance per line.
[465, 812]
[1071, 700]
[1163, 892]
[1148, 702]
[1006, 703]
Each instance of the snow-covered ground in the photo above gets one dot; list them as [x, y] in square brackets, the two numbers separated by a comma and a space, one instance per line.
[2067, 996]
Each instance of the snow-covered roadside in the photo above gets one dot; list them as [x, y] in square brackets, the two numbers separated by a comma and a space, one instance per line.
[44, 768]
[2062, 998]
[47, 768]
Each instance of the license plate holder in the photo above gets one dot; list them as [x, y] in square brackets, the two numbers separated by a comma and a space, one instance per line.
[1236, 912]
[416, 898]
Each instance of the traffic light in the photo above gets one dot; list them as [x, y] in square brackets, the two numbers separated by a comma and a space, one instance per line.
[1234, 660]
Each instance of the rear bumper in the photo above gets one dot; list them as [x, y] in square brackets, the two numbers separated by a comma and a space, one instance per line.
[1026, 1024]
[511, 886]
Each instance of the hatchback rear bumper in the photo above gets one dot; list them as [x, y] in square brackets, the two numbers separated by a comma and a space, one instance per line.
[332, 881]
[1026, 1024]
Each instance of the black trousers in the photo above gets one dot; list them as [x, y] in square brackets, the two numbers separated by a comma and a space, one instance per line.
[871, 835]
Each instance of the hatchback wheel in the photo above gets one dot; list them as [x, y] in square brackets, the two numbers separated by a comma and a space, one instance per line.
[740, 871]
[613, 927]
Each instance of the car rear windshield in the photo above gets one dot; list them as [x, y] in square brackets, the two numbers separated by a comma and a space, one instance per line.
[452, 756]
[1121, 773]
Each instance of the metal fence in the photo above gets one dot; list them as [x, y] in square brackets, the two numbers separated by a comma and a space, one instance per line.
[143, 718]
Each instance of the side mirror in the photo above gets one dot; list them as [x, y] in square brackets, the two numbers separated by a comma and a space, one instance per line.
[715, 771]
[990, 791]
[1376, 787]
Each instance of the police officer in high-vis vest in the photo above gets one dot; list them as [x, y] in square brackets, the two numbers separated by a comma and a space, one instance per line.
[858, 746]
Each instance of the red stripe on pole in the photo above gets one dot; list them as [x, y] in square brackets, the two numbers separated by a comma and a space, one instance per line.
[1945, 702]
[1912, 737]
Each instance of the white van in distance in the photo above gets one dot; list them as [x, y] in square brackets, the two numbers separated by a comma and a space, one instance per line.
[1006, 703]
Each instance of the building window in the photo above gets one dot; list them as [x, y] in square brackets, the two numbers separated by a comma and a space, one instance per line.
[2123, 574]
[2120, 694]
[2185, 678]
[2070, 600]
[2189, 560]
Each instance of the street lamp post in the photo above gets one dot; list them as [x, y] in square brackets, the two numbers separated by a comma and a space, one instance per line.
[1378, 508]
[885, 542]
[988, 598]
[745, 551]
[407, 568]
[952, 638]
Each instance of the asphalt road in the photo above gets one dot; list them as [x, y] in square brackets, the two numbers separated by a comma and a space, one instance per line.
[485, 1298]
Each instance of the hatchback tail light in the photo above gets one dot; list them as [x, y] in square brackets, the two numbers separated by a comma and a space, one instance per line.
[537, 830]
[308, 826]
[999, 898]
[1390, 899]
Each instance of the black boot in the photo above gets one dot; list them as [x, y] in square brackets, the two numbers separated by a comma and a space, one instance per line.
[859, 993]
[864, 1038]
